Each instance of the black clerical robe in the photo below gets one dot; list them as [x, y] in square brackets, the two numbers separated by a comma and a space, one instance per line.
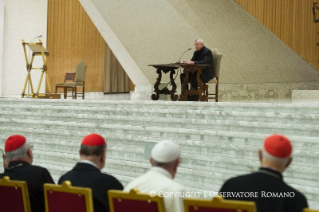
[87, 175]
[204, 56]
[267, 189]
[35, 176]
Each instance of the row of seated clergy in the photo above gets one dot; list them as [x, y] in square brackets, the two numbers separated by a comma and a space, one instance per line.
[85, 173]
[19, 155]
[275, 157]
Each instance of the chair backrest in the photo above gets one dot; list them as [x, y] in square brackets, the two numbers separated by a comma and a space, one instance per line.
[217, 57]
[309, 210]
[65, 197]
[69, 76]
[133, 201]
[218, 204]
[14, 195]
[80, 72]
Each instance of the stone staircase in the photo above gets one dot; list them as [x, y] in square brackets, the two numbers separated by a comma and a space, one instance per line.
[218, 140]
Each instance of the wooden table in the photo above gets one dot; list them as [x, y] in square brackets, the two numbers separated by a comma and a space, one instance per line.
[170, 68]
[166, 68]
[193, 68]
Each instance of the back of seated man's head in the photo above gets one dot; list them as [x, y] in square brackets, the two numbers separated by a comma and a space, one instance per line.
[276, 152]
[166, 154]
[17, 148]
[93, 148]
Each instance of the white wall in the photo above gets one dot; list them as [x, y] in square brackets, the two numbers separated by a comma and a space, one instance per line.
[22, 20]
[1, 41]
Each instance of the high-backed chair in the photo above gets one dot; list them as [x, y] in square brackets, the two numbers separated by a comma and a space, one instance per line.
[218, 204]
[14, 195]
[79, 80]
[217, 57]
[309, 210]
[133, 201]
[69, 76]
[65, 198]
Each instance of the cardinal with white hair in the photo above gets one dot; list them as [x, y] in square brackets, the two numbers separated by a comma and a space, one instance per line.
[266, 187]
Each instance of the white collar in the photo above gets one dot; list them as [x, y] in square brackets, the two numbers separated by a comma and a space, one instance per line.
[88, 162]
[162, 171]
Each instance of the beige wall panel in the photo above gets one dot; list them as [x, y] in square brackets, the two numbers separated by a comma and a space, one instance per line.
[291, 21]
[72, 37]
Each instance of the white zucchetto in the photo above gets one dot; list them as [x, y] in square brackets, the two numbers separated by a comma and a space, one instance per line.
[165, 152]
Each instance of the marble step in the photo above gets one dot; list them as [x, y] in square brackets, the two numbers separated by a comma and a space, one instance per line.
[149, 125]
[178, 117]
[74, 127]
[311, 108]
[233, 150]
[213, 162]
[178, 112]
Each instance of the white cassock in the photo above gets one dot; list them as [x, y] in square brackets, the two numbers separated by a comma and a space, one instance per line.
[159, 180]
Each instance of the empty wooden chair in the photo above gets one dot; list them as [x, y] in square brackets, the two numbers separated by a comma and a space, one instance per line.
[69, 77]
[14, 195]
[218, 204]
[66, 198]
[133, 201]
[79, 79]
[78, 82]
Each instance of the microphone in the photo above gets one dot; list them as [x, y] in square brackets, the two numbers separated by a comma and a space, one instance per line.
[40, 36]
[183, 54]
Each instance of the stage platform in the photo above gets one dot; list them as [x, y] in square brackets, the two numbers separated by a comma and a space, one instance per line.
[218, 140]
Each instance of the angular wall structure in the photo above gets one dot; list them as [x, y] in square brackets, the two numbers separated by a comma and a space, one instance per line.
[256, 64]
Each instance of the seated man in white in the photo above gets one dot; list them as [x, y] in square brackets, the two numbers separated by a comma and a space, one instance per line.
[165, 160]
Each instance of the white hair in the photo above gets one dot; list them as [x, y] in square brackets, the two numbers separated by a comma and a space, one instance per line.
[165, 165]
[267, 156]
[18, 153]
[200, 40]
